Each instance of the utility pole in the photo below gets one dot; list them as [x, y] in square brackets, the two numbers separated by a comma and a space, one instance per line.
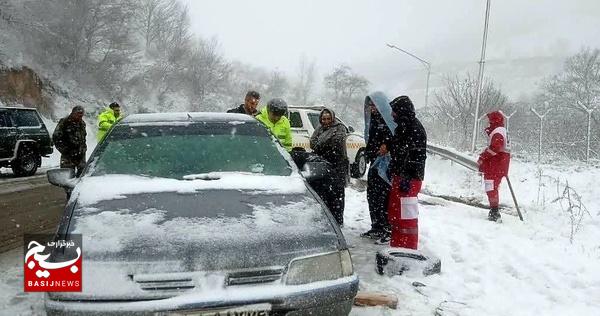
[541, 117]
[427, 65]
[480, 75]
[477, 124]
[451, 133]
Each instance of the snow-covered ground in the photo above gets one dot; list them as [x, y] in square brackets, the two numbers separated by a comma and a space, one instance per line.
[512, 268]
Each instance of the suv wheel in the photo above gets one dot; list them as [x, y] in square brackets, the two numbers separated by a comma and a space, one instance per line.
[26, 163]
[359, 167]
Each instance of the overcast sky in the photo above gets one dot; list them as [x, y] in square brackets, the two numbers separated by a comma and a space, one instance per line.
[275, 33]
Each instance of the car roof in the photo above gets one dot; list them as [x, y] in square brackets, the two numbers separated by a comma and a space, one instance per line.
[17, 108]
[187, 117]
[307, 107]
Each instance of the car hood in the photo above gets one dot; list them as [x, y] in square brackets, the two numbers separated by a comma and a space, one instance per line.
[210, 232]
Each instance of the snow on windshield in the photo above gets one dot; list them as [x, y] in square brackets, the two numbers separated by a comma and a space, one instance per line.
[94, 189]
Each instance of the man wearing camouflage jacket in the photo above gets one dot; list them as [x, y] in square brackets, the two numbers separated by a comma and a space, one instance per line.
[69, 137]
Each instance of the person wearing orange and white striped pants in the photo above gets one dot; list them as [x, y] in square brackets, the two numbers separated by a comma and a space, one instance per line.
[408, 153]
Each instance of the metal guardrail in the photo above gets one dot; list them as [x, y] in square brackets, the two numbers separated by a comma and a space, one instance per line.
[469, 163]
[465, 161]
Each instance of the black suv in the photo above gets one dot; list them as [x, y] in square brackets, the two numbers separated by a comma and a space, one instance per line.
[24, 139]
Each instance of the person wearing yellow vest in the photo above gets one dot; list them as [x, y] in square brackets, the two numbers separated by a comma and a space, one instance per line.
[107, 119]
[273, 116]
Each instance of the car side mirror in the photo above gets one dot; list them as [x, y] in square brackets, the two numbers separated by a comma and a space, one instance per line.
[63, 177]
[351, 129]
[315, 170]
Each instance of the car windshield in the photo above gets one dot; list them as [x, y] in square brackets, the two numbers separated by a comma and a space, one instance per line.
[174, 151]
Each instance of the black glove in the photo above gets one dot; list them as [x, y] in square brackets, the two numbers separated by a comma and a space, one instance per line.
[404, 185]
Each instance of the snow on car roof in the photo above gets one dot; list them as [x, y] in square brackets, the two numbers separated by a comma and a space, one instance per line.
[18, 108]
[187, 117]
[308, 107]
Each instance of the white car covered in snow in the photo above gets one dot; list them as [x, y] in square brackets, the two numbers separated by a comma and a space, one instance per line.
[304, 120]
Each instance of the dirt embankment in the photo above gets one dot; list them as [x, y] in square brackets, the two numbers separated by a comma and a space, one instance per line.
[24, 86]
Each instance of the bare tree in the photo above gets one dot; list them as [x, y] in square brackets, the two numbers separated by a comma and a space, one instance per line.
[347, 88]
[306, 80]
[278, 85]
[336, 81]
[207, 72]
[578, 86]
[577, 89]
[153, 17]
[457, 101]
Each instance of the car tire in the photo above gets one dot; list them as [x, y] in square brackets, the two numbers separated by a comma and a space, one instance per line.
[396, 260]
[26, 163]
[359, 167]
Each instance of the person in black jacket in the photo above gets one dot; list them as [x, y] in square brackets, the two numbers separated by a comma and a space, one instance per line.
[379, 137]
[329, 142]
[249, 106]
[407, 167]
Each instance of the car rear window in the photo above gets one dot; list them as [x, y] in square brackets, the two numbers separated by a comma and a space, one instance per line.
[295, 120]
[4, 121]
[26, 118]
[314, 119]
[174, 151]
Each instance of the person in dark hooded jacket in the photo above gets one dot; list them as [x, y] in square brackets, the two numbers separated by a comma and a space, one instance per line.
[379, 135]
[494, 161]
[329, 142]
[408, 153]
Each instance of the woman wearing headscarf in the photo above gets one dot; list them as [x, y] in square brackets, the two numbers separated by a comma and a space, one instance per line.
[329, 142]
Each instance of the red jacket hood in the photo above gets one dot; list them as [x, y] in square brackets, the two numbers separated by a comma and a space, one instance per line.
[496, 120]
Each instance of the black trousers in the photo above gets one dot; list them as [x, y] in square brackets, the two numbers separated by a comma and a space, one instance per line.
[333, 194]
[377, 196]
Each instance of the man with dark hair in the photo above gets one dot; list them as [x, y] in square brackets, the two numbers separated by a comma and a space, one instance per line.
[249, 105]
[107, 119]
[69, 138]
[407, 167]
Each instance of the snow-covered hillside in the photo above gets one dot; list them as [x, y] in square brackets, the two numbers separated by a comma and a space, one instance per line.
[512, 268]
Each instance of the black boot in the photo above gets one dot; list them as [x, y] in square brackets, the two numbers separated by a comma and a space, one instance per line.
[373, 234]
[494, 215]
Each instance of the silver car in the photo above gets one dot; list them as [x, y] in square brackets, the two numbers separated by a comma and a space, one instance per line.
[201, 214]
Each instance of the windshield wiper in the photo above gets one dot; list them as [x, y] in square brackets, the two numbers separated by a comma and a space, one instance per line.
[202, 176]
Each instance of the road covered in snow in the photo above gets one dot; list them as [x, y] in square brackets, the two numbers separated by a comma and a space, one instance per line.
[535, 267]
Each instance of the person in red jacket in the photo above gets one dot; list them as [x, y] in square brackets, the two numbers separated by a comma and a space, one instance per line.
[494, 161]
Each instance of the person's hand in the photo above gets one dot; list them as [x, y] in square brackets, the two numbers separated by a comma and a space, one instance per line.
[479, 163]
[382, 150]
[404, 185]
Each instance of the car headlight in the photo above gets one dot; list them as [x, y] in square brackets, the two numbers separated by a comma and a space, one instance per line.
[329, 266]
